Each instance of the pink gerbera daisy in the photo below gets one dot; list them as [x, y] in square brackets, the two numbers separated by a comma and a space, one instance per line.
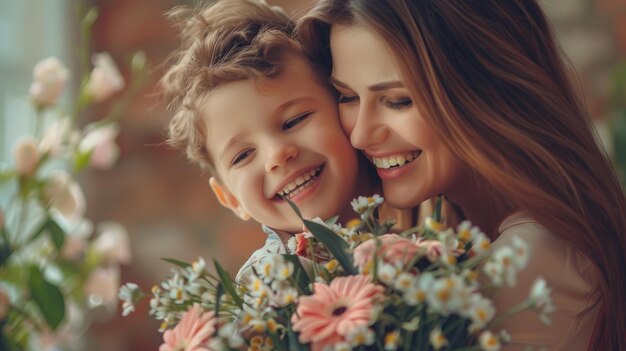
[334, 310]
[192, 333]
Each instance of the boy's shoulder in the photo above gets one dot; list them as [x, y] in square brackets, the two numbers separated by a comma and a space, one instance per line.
[273, 245]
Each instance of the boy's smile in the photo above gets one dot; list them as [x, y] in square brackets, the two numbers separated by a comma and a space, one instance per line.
[279, 137]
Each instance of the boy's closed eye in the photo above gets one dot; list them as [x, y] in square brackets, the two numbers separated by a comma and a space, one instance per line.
[289, 124]
[242, 156]
[292, 122]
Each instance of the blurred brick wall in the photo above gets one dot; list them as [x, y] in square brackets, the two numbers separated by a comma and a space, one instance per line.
[166, 203]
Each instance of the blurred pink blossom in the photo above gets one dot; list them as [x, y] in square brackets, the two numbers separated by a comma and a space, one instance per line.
[113, 243]
[49, 78]
[26, 156]
[105, 79]
[52, 140]
[100, 142]
[65, 195]
[102, 286]
[192, 333]
[393, 248]
[334, 310]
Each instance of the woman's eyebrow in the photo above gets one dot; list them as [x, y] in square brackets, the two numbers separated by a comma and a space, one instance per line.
[373, 88]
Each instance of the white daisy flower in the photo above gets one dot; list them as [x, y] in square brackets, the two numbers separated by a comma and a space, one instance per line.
[488, 341]
[541, 299]
[361, 336]
[437, 339]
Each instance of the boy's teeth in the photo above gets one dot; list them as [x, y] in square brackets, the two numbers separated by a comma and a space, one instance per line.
[395, 160]
[300, 183]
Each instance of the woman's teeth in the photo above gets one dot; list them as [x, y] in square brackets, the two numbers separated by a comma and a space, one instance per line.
[395, 160]
[300, 183]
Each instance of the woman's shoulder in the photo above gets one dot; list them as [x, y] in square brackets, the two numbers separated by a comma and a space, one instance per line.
[550, 254]
[571, 276]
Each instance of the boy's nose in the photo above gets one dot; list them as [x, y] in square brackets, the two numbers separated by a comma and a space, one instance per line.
[280, 155]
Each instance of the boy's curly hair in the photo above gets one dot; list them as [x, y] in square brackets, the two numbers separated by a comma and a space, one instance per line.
[223, 41]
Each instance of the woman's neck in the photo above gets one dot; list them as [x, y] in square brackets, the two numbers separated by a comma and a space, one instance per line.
[483, 206]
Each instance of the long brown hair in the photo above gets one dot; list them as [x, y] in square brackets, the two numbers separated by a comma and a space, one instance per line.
[494, 86]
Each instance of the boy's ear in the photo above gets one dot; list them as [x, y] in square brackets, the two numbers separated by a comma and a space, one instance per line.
[226, 199]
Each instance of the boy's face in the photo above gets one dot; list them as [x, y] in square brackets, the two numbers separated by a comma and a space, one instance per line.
[280, 138]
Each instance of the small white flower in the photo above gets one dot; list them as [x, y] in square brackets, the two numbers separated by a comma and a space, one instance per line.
[481, 244]
[392, 339]
[437, 339]
[361, 336]
[448, 294]
[404, 281]
[49, 79]
[26, 155]
[433, 225]
[229, 333]
[387, 273]
[488, 341]
[128, 294]
[292, 244]
[196, 269]
[541, 299]
[419, 292]
[521, 252]
[363, 203]
[105, 79]
[480, 310]
[504, 259]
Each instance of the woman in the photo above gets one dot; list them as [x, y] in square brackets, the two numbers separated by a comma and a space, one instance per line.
[471, 99]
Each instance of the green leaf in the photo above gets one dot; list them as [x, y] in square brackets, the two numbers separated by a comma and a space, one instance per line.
[5, 252]
[294, 207]
[218, 295]
[176, 262]
[81, 160]
[332, 220]
[39, 231]
[56, 233]
[48, 298]
[336, 245]
[302, 278]
[278, 343]
[229, 286]
[7, 175]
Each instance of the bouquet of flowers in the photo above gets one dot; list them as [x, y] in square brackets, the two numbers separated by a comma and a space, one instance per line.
[357, 287]
[55, 264]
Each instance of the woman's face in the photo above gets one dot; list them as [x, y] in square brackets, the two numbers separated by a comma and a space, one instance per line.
[380, 117]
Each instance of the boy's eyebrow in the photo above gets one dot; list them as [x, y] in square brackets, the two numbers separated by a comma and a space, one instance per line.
[230, 142]
[374, 88]
[281, 108]
[284, 106]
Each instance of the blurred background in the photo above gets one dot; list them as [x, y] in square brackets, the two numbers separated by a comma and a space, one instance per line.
[164, 202]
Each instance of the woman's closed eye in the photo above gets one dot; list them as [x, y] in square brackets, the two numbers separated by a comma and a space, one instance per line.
[345, 99]
[290, 123]
[398, 104]
[242, 156]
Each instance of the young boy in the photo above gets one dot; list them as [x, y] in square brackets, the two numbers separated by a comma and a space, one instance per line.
[251, 109]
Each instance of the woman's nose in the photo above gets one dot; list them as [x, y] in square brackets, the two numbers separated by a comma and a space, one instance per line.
[367, 130]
